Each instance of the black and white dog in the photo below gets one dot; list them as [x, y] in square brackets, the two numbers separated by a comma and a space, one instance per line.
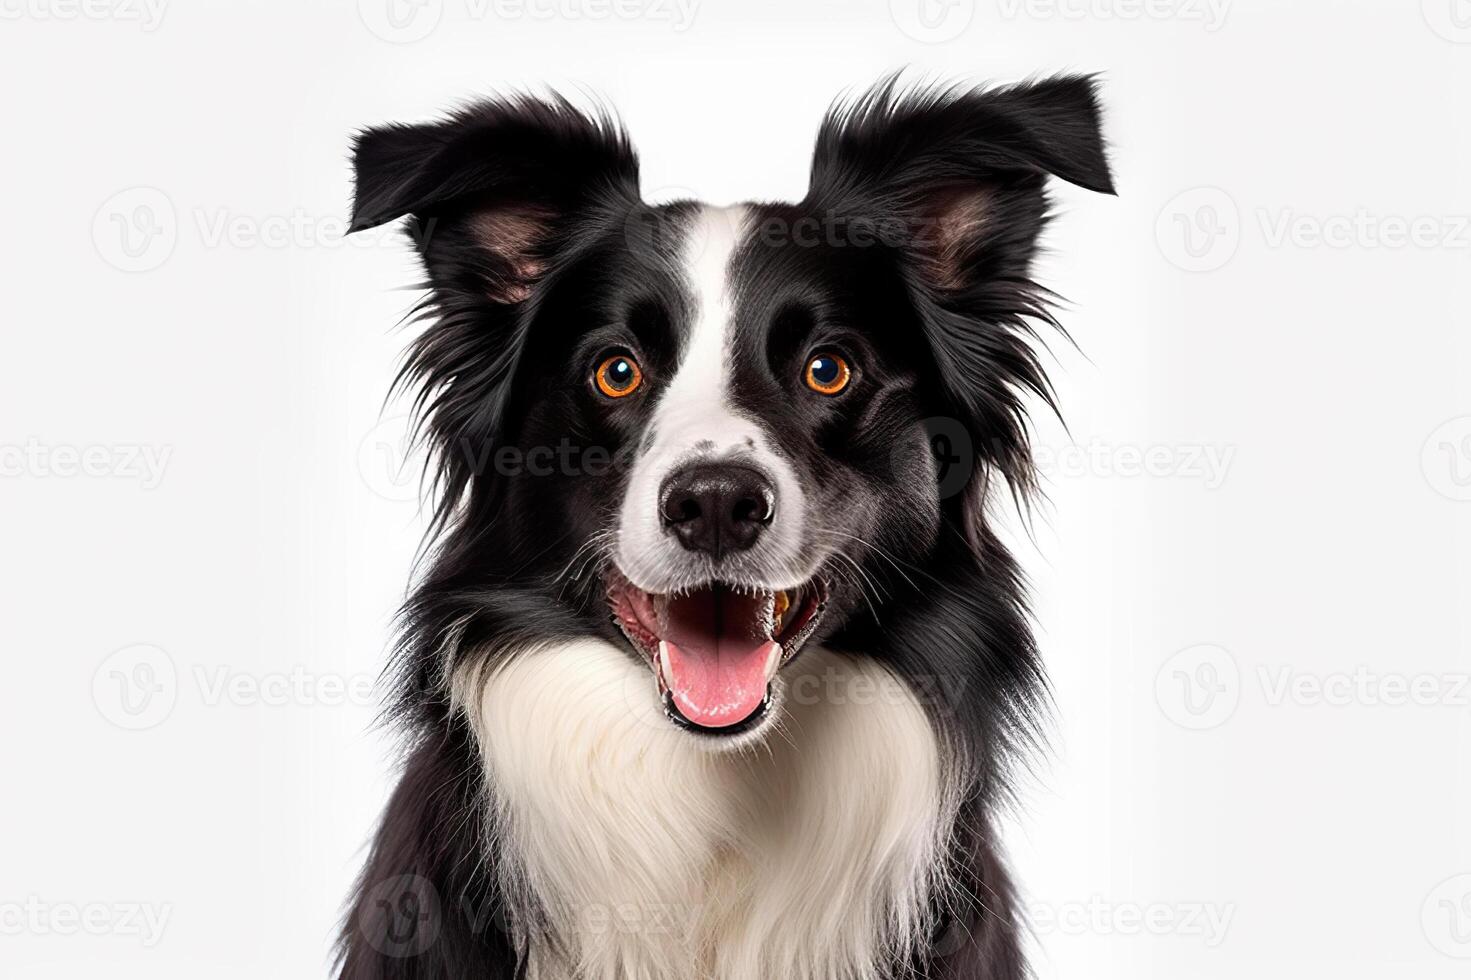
[706, 678]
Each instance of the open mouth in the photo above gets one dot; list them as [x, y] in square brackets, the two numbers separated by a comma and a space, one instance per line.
[714, 650]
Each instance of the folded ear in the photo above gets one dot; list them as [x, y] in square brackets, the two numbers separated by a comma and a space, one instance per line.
[963, 174]
[494, 193]
[490, 188]
[963, 169]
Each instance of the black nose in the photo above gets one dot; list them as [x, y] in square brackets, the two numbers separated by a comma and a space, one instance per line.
[717, 508]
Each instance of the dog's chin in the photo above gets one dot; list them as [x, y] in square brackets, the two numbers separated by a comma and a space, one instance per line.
[714, 651]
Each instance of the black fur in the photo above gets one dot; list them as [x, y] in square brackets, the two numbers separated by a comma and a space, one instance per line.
[927, 206]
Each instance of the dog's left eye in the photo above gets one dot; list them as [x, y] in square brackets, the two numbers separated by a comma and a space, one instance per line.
[827, 373]
[618, 375]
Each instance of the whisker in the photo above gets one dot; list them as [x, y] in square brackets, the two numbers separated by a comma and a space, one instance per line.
[877, 549]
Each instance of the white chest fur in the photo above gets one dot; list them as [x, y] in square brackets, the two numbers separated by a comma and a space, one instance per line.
[630, 851]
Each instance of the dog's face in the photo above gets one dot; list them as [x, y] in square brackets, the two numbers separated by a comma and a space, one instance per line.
[759, 396]
[712, 420]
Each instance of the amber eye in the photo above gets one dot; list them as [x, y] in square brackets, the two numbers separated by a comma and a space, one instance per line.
[827, 374]
[618, 375]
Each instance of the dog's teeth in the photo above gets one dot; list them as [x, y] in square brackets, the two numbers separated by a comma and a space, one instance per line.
[773, 661]
[779, 608]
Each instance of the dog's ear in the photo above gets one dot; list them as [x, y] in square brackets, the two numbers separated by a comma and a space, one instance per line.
[963, 169]
[961, 175]
[494, 194]
[491, 188]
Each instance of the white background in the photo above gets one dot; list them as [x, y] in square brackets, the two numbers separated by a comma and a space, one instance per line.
[177, 290]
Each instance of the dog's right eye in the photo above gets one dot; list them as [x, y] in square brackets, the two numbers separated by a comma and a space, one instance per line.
[618, 375]
[827, 374]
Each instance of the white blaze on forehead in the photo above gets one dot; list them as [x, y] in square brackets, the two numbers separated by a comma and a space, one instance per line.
[696, 420]
[696, 400]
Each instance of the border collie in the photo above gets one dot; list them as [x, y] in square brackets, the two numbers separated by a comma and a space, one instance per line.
[709, 675]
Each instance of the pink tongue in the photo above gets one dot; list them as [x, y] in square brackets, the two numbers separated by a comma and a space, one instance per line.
[717, 648]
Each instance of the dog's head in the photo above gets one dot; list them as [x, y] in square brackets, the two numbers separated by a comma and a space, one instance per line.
[711, 422]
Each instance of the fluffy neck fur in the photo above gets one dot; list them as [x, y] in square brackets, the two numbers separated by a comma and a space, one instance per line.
[629, 850]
